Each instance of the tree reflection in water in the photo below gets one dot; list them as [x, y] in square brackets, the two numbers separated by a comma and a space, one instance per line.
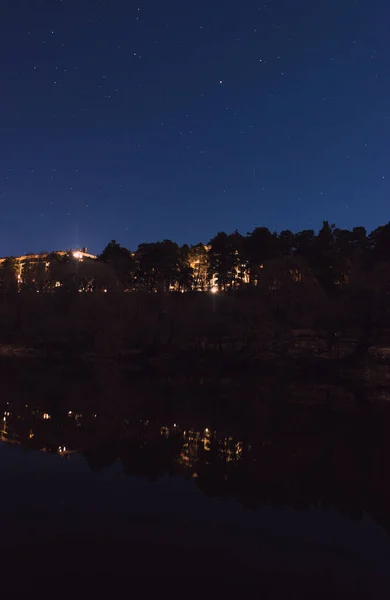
[236, 439]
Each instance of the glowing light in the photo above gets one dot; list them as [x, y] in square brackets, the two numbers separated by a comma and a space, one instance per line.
[46, 416]
[214, 290]
[77, 255]
[70, 413]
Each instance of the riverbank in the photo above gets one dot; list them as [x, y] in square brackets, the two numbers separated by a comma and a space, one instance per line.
[304, 356]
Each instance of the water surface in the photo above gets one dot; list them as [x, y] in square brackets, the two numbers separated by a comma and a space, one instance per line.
[185, 479]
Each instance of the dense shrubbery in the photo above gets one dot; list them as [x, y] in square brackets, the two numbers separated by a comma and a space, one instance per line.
[244, 324]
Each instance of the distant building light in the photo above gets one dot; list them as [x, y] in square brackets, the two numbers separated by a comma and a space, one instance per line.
[46, 416]
[214, 290]
[77, 255]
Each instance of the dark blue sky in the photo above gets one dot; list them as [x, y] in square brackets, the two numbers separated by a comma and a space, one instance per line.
[173, 119]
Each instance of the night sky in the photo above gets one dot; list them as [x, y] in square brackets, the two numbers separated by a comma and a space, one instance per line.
[175, 119]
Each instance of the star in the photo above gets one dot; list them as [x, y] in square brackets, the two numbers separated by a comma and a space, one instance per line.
[150, 122]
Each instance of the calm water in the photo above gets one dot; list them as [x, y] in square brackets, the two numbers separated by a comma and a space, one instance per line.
[201, 475]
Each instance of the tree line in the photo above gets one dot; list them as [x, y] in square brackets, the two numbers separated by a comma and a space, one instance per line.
[331, 258]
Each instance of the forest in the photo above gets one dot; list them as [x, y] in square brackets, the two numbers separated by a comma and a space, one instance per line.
[331, 258]
[251, 300]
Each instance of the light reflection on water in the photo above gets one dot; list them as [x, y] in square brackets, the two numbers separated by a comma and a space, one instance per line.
[291, 488]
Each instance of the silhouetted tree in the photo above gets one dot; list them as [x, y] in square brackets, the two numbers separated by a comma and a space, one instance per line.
[304, 241]
[28, 276]
[61, 271]
[224, 259]
[9, 276]
[199, 262]
[157, 265]
[286, 242]
[121, 261]
[261, 245]
[185, 274]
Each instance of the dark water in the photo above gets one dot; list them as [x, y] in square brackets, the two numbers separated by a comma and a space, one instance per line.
[224, 480]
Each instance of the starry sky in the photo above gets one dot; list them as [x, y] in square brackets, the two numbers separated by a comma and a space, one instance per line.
[174, 119]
